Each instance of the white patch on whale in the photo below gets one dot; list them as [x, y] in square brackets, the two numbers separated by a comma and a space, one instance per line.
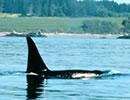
[84, 75]
[31, 73]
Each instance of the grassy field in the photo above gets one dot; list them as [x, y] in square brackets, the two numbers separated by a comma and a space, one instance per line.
[48, 24]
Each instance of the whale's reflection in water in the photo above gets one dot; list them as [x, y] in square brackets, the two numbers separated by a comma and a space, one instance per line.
[35, 86]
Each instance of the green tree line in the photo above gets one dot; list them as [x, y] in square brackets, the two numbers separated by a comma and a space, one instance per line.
[68, 8]
[126, 24]
[100, 27]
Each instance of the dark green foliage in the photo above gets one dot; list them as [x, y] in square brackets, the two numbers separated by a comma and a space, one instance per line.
[97, 26]
[126, 24]
[69, 8]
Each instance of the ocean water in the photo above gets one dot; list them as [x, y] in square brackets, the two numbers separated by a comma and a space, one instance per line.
[62, 53]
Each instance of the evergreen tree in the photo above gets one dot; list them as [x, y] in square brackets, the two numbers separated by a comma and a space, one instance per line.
[69, 8]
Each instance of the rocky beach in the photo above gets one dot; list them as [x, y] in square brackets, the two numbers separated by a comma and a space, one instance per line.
[87, 35]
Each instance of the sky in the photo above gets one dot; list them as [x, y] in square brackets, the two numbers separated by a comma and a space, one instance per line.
[122, 1]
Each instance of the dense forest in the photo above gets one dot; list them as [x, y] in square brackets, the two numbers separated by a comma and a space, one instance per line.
[67, 8]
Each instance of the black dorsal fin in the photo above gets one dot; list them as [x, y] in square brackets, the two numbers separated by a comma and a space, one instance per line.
[35, 62]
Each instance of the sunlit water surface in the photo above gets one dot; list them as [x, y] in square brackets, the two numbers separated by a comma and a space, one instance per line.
[66, 54]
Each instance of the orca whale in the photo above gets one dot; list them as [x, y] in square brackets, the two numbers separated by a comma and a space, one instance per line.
[36, 66]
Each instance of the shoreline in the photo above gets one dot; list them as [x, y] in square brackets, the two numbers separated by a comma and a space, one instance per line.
[87, 35]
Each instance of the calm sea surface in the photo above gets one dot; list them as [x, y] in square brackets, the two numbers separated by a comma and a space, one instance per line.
[63, 54]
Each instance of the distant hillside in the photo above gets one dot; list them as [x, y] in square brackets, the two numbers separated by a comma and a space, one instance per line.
[102, 25]
[64, 8]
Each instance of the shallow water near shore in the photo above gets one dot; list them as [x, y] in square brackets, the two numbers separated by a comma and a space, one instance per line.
[62, 53]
